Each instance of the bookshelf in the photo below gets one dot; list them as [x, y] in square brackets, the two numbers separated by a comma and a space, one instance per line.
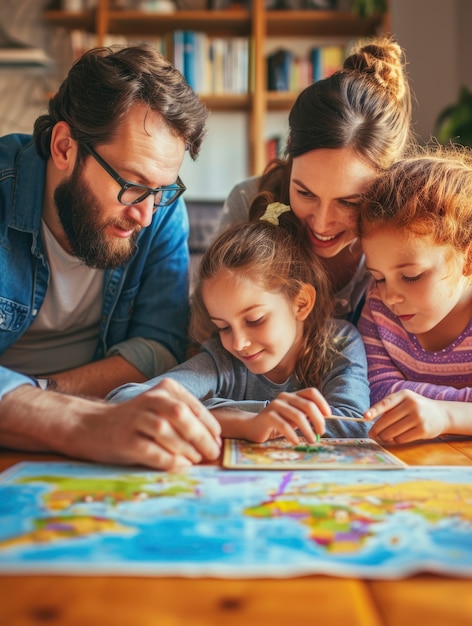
[257, 24]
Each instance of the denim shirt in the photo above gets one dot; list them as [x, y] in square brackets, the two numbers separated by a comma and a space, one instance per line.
[146, 297]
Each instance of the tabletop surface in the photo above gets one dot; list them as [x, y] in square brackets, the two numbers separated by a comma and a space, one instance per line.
[145, 601]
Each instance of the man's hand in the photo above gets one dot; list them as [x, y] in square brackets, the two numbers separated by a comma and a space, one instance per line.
[163, 428]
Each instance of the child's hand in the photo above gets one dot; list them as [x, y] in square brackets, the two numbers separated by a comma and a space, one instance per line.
[303, 409]
[406, 416]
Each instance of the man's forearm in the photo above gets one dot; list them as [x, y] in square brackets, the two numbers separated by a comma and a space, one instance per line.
[96, 379]
[162, 428]
[36, 420]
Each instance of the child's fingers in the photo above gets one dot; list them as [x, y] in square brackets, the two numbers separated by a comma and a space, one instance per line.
[305, 427]
[392, 424]
[284, 428]
[315, 396]
[313, 404]
[291, 417]
[386, 430]
[402, 431]
[384, 406]
[302, 413]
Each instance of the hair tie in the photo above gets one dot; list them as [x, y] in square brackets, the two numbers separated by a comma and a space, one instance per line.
[273, 212]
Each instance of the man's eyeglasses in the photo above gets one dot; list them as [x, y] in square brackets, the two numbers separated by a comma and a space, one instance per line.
[133, 193]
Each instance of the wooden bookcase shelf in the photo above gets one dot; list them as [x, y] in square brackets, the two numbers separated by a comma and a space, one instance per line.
[83, 20]
[216, 23]
[258, 25]
[319, 23]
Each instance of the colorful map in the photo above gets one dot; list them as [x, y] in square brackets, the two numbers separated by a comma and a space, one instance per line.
[206, 521]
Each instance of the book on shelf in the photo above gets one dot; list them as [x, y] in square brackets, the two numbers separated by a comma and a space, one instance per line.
[273, 148]
[326, 60]
[307, 5]
[239, 58]
[80, 41]
[289, 72]
[24, 57]
[227, 5]
[217, 53]
[212, 65]
[15, 53]
[190, 58]
[279, 65]
[178, 48]
[301, 74]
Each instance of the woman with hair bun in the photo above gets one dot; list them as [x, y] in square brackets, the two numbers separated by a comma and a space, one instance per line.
[343, 130]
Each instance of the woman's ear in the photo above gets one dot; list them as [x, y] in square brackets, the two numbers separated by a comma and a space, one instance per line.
[63, 147]
[304, 301]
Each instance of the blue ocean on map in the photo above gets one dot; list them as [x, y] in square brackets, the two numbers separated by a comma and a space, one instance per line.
[90, 519]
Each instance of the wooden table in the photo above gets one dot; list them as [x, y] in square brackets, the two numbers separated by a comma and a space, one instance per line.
[423, 600]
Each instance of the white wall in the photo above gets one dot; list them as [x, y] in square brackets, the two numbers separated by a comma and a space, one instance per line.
[464, 20]
[429, 31]
[222, 160]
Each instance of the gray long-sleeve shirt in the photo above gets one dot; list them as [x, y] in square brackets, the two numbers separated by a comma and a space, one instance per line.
[217, 378]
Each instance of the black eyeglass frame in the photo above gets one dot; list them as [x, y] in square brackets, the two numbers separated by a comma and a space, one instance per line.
[178, 187]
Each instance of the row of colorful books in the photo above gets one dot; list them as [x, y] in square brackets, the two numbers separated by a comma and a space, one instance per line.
[80, 41]
[212, 65]
[217, 65]
[287, 71]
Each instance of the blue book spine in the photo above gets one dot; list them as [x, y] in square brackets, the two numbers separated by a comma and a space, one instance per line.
[316, 63]
[190, 58]
[278, 70]
[178, 41]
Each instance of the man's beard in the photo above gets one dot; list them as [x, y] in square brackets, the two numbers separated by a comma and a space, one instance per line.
[79, 214]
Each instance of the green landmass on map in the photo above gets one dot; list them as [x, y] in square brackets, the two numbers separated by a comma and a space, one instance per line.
[346, 528]
[339, 518]
[68, 490]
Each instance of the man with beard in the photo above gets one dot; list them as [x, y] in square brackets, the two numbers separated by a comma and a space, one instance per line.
[94, 266]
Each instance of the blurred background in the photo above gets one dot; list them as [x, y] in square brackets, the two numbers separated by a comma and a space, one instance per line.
[434, 33]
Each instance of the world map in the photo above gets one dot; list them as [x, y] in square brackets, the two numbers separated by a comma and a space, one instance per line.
[205, 521]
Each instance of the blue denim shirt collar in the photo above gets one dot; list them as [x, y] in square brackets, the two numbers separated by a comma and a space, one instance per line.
[28, 186]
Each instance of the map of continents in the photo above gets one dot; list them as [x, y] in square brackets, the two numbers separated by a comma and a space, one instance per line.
[89, 519]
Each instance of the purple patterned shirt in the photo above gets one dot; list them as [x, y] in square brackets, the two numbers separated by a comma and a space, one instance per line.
[396, 360]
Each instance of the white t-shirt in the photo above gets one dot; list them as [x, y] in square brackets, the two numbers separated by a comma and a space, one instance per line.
[64, 334]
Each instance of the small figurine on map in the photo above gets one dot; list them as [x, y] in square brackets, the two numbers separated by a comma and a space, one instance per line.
[308, 448]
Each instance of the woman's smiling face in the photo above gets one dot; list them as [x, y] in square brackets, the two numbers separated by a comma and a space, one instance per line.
[325, 189]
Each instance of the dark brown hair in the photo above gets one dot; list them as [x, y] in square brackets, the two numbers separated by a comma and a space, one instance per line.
[105, 83]
[366, 106]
